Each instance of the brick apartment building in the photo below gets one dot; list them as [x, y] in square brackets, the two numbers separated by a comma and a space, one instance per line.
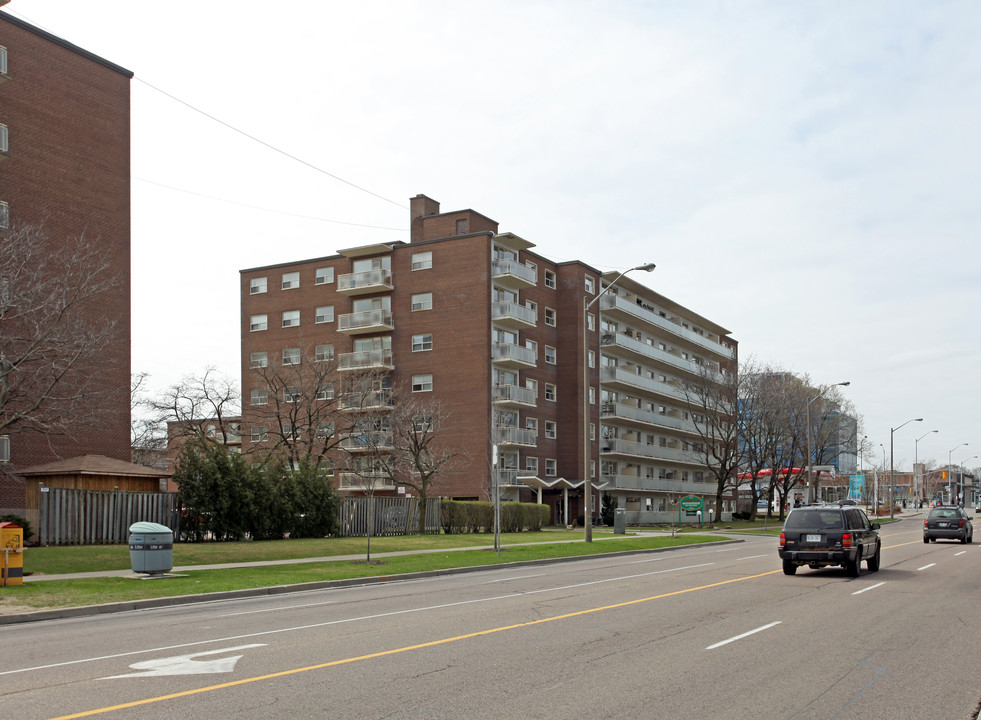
[65, 142]
[474, 318]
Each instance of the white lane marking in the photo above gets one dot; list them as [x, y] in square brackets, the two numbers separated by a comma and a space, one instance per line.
[187, 664]
[752, 557]
[745, 634]
[926, 566]
[277, 609]
[960, 553]
[516, 577]
[870, 587]
[344, 620]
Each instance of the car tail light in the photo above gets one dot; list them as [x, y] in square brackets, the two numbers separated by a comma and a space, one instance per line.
[961, 523]
[783, 539]
[926, 523]
[846, 540]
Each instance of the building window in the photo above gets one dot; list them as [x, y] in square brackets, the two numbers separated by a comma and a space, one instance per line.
[4, 448]
[592, 359]
[421, 343]
[592, 431]
[291, 356]
[260, 434]
[422, 301]
[550, 468]
[532, 424]
[532, 385]
[590, 322]
[291, 280]
[533, 306]
[592, 395]
[325, 392]
[260, 397]
[590, 285]
[325, 430]
[324, 276]
[550, 392]
[551, 430]
[258, 322]
[325, 314]
[549, 354]
[461, 226]
[422, 260]
[3, 139]
[531, 465]
[4, 215]
[3, 60]
[549, 279]
[324, 353]
[257, 285]
[291, 394]
[259, 359]
[291, 318]
[422, 383]
[550, 317]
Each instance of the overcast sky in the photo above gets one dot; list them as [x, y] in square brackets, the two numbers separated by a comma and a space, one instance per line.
[806, 174]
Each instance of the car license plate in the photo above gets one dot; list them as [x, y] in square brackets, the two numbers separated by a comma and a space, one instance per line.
[942, 524]
[812, 538]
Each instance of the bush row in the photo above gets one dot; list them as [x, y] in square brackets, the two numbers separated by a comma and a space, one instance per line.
[457, 516]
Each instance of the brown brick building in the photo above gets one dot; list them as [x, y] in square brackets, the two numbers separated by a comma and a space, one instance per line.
[65, 117]
[474, 318]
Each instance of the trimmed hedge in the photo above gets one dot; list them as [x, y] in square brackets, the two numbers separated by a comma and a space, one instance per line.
[473, 517]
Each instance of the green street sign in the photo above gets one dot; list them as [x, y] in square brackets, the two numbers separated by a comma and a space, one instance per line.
[691, 503]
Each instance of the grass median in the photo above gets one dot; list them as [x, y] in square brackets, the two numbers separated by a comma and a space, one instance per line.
[423, 553]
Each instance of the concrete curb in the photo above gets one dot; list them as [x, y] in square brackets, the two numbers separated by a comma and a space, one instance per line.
[127, 606]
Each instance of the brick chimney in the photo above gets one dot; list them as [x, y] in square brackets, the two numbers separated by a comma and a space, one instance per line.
[419, 207]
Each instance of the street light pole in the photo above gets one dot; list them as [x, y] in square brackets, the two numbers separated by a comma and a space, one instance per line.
[587, 497]
[950, 469]
[810, 456]
[916, 462]
[891, 431]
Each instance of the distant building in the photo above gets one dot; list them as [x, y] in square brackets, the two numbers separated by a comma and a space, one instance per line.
[474, 318]
[65, 152]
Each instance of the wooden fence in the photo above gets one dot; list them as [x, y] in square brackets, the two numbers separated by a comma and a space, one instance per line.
[392, 516]
[92, 517]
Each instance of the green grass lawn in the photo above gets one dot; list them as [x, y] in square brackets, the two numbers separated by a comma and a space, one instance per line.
[50, 594]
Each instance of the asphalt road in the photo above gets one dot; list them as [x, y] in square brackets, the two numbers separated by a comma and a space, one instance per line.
[700, 632]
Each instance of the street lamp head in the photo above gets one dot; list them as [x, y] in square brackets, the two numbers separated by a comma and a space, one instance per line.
[649, 267]
[846, 383]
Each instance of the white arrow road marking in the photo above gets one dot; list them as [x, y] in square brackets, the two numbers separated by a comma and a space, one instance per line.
[187, 664]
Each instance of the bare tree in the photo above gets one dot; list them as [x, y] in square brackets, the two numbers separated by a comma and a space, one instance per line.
[421, 451]
[50, 342]
[148, 437]
[201, 408]
[305, 405]
[713, 403]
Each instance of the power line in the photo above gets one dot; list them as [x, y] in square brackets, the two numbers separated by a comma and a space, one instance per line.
[259, 207]
[271, 147]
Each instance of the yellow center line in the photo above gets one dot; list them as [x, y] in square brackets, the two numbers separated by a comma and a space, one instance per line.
[434, 643]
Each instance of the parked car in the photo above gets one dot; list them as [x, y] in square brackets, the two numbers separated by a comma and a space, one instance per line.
[827, 535]
[948, 522]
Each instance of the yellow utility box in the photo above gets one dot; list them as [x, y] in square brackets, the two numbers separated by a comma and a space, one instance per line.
[12, 546]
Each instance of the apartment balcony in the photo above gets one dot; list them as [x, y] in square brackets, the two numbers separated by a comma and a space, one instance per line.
[367, 442]
[620, 414]
[511, 477]
[634, 449]
[354, 481]
[621, 378]
[655, 484]
[515, 436]
[512, 274]
[372, 401]
[624, 345]
[369, 321]
[362, 283]
[617, 306]
[510, 355]
[366, 360]
[514, 395]
[512, 315]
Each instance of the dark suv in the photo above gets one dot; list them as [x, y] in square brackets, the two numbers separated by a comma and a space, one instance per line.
[950, 522]
[823, 535]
